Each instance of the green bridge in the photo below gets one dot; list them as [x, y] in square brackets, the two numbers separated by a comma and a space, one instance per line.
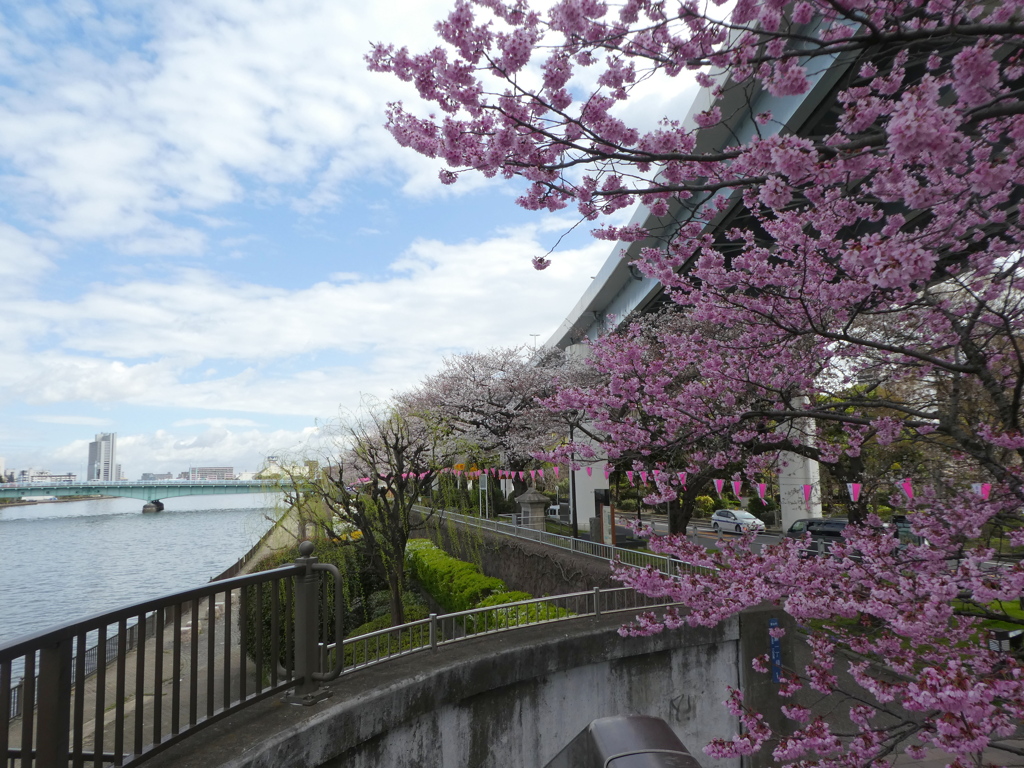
[148, 492]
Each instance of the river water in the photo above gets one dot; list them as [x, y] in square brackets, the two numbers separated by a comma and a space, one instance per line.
[64, 561]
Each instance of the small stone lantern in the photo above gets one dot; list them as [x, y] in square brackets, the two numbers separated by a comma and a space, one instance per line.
[533, 506]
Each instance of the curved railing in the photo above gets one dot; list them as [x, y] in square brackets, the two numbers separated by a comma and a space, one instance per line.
[118, 687]
[161, 669]
[667, 565]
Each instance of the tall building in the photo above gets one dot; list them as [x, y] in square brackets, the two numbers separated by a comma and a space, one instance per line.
[103, 458]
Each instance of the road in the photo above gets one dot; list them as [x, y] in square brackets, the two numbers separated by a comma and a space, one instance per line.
[708, 537]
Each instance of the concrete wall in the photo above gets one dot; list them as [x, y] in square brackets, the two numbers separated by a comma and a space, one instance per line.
[520, 563]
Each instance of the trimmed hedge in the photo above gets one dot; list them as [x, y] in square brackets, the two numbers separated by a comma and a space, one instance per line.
[454, 584]
[500, 618]
[459, 586]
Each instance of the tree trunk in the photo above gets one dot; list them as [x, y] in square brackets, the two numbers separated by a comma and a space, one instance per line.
[395, 585]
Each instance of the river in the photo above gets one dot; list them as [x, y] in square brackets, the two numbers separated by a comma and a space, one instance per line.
[65, 561]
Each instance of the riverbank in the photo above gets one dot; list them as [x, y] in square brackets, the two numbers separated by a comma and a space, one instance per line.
[44, 500]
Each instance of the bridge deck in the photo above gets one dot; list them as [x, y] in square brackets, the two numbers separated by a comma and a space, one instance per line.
[144, 491]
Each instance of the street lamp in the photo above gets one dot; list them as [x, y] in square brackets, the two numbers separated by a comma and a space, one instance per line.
[535, 335]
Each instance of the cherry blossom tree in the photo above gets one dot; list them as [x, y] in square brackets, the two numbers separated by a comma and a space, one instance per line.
[371, 468]
[490, 404]
[852, 261]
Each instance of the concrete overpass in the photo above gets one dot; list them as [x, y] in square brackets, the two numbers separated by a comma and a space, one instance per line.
[619, 292]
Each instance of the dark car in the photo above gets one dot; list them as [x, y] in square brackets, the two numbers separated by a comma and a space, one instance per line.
[823, 530]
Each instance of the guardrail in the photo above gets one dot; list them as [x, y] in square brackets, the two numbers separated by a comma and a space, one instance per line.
[667, 565]
[444, 629]
[206, 653]
[200, 655]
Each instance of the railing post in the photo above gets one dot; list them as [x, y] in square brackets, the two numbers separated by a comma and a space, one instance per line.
[433, 631]
[307, 691]
[597, 601]
[53, 695]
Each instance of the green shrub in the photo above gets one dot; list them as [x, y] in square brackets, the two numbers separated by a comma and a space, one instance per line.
[500, 618]
[454, 584]
[385, 645]
[703, 506]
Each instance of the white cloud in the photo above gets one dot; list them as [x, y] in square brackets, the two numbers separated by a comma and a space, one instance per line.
[163, 450]
[148, 342]
[88, 421]
[227, 100]
[217, 422]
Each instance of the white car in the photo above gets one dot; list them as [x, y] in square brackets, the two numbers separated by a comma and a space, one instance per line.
[735, 520]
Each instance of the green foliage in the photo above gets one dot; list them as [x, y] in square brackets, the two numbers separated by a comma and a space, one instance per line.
[392, 642]
[454, 584]
[703, 506]
[627, 505]
[359, 581]
[500, 618]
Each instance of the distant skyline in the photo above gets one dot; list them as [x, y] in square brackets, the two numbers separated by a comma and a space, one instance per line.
[208, 242]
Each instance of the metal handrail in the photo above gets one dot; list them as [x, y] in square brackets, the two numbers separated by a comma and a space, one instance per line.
[667, 565]
[66, 718]
[437, 630]
[271, 654]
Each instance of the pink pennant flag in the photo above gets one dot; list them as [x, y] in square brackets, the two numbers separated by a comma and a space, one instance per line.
[982, 489]
[907, 489]
[540, 473]
[555, 470]
[629, 474]
[590, 471]
[643, 477]
[807, 496]
[533, 474]
[522, 475]
[761, 488]
[736, 485]
[682, 479]
[656, 473]
[854, 489]
[607, 471]
[423, 474]
[719, 485]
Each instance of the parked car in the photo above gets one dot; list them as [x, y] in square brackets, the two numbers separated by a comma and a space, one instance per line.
[735, 520]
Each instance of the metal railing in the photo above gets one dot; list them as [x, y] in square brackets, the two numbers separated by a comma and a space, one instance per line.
[667, 565]
[193, 657]
[444, 629]
[189, 659]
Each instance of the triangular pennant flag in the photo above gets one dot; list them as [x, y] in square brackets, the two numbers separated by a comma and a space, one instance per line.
[522, 475]
[807, 493]
[656, 473]
[533, 474]
[590, 471]
[643, 477]
[719, 485]
[540, 473]
[761, 488]
[555, 470]
[907, 489]
[682, 479]
[607, 471]
[982, 489]
[736, 485]
[854, 489]
[629, 474]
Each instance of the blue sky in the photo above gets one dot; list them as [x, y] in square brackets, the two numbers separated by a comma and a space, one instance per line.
[208, 242]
